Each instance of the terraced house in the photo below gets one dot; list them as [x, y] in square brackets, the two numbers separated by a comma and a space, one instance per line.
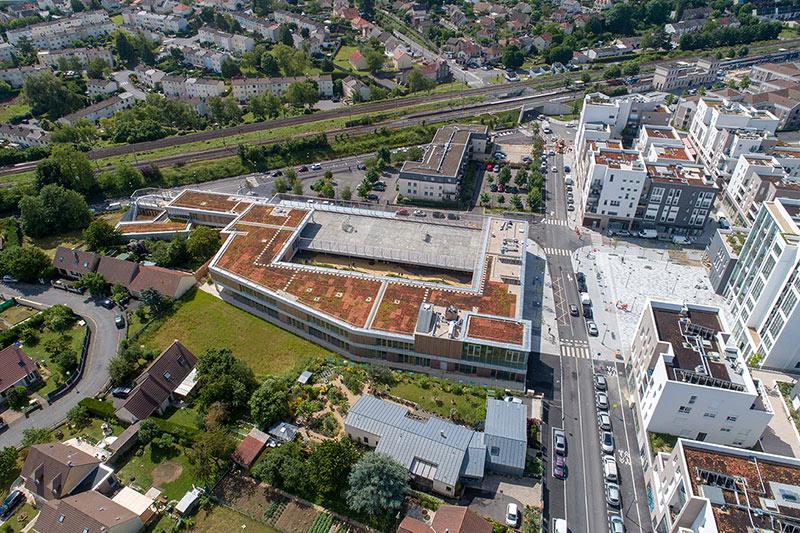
[442, 296]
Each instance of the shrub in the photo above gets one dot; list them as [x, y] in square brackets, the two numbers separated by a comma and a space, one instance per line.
[98, 408]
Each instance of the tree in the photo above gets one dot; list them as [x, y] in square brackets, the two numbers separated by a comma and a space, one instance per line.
[363, 190]
[516, 202]
[630, 69]
[148, 430]
[513, 57]
[121, 370]
[125, 178]
[99, 235]
[417, 81]
[285, 467]
[67, 167]
[33, 436]
[213, 447]
[58, 318]
[9, 464]
[374, 58]
[97, 68]
[229, 68]
[224, 111]
[79, 416]
[346, 193]
[66, 361]
[265, 106]
[504, 177]
[656, 39]
[269, 65]
[26, 263]
[48, 94]
[329, 466]
[521, 179]
[95, 283]
[270, 402]
[377, 485]
[17, 398]
[302, 93]
[170, 253]
[284, 35]
[485, 199]
[224, 378]
[52, 211]
[612, 71]
[297, 188]
[203, 244]
[558, 54]
[291, 61]
[125, 48]
[534, 199]
[156, 302]
[745, 82]
[366, 8]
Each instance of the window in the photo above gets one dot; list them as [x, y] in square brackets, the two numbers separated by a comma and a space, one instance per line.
[709, 415]
[725, 430]
[366, 440]
[494, 450]
[731, 419]
[61, 519]
[167, 375]
[685, 410]
[692, 399]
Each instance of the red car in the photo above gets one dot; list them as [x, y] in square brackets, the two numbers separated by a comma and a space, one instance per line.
[500, 188]
[560, 467]
[488, 166]
[303, 169]
[402, 212]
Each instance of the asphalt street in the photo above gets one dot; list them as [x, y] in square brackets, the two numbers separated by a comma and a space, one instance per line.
[105, 340]
[570, 405]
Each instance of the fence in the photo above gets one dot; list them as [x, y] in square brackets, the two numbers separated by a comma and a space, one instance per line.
[65, 387]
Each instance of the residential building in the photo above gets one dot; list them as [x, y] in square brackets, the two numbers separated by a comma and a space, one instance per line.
[53, 58]
[134, 501]
[438, 454]
[722, 130]
[782, 99]
[757, 178]
[690, 380]
[192, 87]
[401, 60]
[7, 52]
[613, 184]
[301, 21]
[685, 75]
[264, 28]
[16, 370]
[704, 487]
[438, 176]
[678, 198]
[87, 511]
[450, 518]
[74, 263]
[170, 376]
[606, 52]
[24, 135]
[355, 90]
[64, 31]
[102, 109]
[150, 77]
[357, 61]
[95, 88]
[16, 76]
[723, 253]
[678, 29]
[250, 448]
[763, 289]
[204, 57]
[230, 42]
[244, 88]
[156, 22]
[54, 470]
[766, 72]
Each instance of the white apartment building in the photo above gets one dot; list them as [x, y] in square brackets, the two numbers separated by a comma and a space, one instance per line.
[244, 88]
[24, 135]
[301, 21]
[7, 51]
[229, 42]
[690, 380]
[96, 88]
[16, 76]
[683, 74]
[757, 178]
[722, 130]
[149, 77]
[154, 21]
[258, 26]
[701, 487]
[613, 185]
[763, 290]
[103, 109]
[63, 32]
[204, 58]
[51, 58]
[191, 87]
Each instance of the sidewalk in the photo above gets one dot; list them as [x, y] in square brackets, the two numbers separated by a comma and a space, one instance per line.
[539, 306]
[781, 436]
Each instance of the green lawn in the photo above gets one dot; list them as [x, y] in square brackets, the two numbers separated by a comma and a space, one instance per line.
[218, 518]
[92, 432]
[117, 20]
[14, 315]
[187, 416]
[21, 518]
[440, 399]
[13, 109]
[661, 442]
[202, 321]
[171, 473]
[37, 351]
[343, 56]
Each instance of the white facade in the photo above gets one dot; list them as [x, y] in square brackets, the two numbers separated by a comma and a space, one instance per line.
[63, 32]
[24, 135]
[149, 76]
[192, 87]
[16, 76]
[227, 41]
[721, 131]
[690, 379]
[244, 88]
[747, 186]
[51, 58]
[154, 21]
[681, 74]
[614, 182]
[764, 287]
[7, 51]
[204, 58]
[100, 110]
[258, 26]
[101, 87]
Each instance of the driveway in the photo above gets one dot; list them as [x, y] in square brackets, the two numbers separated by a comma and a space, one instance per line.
[496, 492]
[105, 341]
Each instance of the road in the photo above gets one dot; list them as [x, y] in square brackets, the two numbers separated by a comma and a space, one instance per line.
[105, 340]
[570, 401]
[123, 79]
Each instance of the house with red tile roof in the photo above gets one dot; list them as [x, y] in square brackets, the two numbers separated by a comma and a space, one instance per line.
[169, 282]
[250, 448]
[358, 61]
[16, 370]
[86, 512]
[452, 518]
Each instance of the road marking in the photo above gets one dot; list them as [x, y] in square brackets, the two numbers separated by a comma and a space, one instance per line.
[575, 352]
[557, 251]
[624, 457]
[628, 446]
[556, 222]
[583, 448]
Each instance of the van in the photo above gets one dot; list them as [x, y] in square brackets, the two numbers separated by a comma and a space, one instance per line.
[568, 180]
[610, 469]
[681, 239]
[559, 525]
[585, 300]
[648, 234]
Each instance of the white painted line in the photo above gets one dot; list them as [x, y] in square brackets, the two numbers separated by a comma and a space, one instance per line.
[583, 448]
[628, 446]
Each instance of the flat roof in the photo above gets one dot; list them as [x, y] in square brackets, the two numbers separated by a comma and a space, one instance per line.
[445, 153]
[661, 133]
[676, 174]
[128, 228]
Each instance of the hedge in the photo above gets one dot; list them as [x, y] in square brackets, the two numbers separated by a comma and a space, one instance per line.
[182, 433]
[98, 408]
[12, 335]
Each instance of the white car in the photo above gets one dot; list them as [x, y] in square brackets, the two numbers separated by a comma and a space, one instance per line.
[612, 494]
[607, 442]
[512, 515]
[601, 399]
[604, 421]
[512, 399]
[316, 166]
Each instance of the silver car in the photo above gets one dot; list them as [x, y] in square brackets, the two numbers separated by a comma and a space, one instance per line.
[607, 442]
[616, 524]
[601, 399]
[612, 495]
[604, 421]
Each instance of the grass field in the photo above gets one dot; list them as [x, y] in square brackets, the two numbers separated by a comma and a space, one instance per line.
[170, 472]
[440, 399]
[117, 20]
[218, 518]
[343, 56]
[14, 315]
[21, 517]
[38, 352]
[12, 109]
[202, 321]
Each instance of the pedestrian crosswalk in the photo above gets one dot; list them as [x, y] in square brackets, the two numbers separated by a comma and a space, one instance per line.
[557, 251]
[578, 352]
[555, 222]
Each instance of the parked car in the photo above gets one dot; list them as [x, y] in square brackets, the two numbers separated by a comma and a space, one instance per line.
[604, 421]
[302, 168]
[607, 442]
[569, 188]
[573, 309]
[560, 442]
[489, 167]
[9, 279]
[566, 168]
[581, 277]
[560, 468]
[10, 503]
[591, 327]
[582, 286]
[453, 216]
[600, 382]
[601, 400]
[612, 494]
[570, 207]
[610, 472]
[316, 166]
[419, 213]
[361, 166]
[681, 239]
[512, 399]
[512, 515]
[119, 321]
[107, 303]
[554, 169]
[492, 188]
[616, 524]
[277, 173]
[372, 197]
[3, 425]
[121, 392]
[501, 188]
[438, 214]
[378, 187]
[587, 311]
[402, 212]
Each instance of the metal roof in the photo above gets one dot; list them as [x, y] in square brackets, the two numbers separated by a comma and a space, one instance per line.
[505, 433]
[411, 440]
